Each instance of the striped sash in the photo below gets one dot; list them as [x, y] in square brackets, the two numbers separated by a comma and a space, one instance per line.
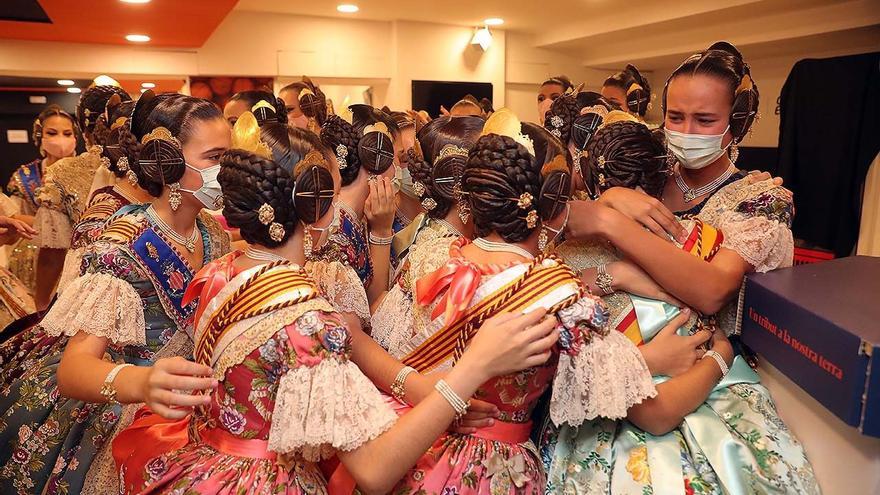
[254, 298]
[514, 297]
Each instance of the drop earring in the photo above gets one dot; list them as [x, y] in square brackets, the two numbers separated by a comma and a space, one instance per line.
[734, 153]
[542, 239]
[174, 197]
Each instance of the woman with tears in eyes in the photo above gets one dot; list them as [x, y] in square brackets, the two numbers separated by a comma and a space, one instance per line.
[737, 224]
[124, 315]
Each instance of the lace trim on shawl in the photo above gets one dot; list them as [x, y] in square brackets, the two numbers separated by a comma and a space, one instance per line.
[393, 321]
[341, 286]
[219, 240]
[604, 379]
[101, 305]
[54, 229]
[327, 407]
[67, 184]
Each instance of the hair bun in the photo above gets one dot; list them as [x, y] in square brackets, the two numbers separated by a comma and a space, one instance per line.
[159, 162]
[554, 195]
[728, 47]
[313, 193]
[376, 151]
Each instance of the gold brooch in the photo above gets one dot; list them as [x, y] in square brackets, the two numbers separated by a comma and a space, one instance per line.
[266, 214]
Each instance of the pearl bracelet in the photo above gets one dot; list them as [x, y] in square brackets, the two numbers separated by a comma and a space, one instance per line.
[718, 359]
[380, 241]
[108, 391]
[457, 403]
[398, 391]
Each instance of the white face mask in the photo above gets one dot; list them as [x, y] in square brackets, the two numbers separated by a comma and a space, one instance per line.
[404, 181]
[210, 193]
[695, 151]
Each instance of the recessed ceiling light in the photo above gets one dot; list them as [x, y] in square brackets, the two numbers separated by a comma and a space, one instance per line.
[65, 82]
[135, 1]
[137, 38]
[494, 21]
[74, 90]
[347, 8]
[148, 85]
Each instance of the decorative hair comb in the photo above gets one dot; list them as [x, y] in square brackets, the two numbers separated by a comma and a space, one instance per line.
[263, 111]
[505, 123]
[118, 123]
[246, 136]
[377, 127]
[313, 158]
[450, 150]
[162, 134]
[615, 116]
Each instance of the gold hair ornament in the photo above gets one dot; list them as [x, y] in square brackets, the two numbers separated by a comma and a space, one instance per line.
[505, 123]
[246, 136]
[162, 134]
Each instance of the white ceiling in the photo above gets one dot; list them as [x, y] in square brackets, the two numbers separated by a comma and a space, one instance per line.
[650, 33]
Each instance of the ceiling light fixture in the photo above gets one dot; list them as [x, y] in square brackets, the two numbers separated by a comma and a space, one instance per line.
[482, 37]
[148, 85]
[494, 21]
[135, 1]
[347, 8]
[137, 38]
[65, 82]
[74, 90]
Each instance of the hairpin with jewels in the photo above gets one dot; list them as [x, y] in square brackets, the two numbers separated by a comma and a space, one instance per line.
[451, 150]
[266, 215]
[505, 123]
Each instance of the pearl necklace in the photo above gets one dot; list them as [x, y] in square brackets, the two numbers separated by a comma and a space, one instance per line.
[691, 194]
[501, 247]
[188, 242]
[261, 255]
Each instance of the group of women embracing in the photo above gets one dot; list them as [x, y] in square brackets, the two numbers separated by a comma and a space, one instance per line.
[467, 305]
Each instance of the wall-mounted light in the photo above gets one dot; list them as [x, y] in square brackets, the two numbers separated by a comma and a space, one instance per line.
[482, 37]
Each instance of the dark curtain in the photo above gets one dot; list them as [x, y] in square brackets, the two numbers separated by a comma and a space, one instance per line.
[829, 133]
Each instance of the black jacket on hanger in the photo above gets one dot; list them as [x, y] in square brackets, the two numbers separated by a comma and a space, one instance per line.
[829, 133]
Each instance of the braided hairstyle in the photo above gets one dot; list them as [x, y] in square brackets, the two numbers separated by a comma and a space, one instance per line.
[52, 110]
[500, 170]
[724, 61]
[250, 181]
[159, 162]
[92, 104]
[625, 154]
[636, 88]
[118, 114]
[440, 177]
[342, 140]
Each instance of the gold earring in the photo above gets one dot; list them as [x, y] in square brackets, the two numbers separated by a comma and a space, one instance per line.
[132, 177]
[174, 197]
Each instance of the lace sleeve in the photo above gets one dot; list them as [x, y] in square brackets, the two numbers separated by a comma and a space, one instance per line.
[99, 304]
[763, 242]
[342, 288]
[601, 373]
[324, 401]
[54, 229]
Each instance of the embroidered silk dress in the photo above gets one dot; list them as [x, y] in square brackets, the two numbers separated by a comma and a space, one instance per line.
[22, 351]
[129, 291]
[593, 372]
[288, 394]
[347, 243]
[22, 188]
[735, 441]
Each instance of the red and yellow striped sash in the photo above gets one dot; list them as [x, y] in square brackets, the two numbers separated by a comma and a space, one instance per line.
[252, 299]
[514, 297]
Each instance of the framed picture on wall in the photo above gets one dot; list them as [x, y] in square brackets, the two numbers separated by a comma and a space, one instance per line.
[220, 88]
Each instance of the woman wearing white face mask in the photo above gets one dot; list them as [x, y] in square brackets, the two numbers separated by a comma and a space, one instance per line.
[127, 302]
[54, 134]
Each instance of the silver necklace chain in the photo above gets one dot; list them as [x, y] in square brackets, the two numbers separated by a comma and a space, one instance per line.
[691, 194]
[502, 247]
[188, 242]
[261, 255]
